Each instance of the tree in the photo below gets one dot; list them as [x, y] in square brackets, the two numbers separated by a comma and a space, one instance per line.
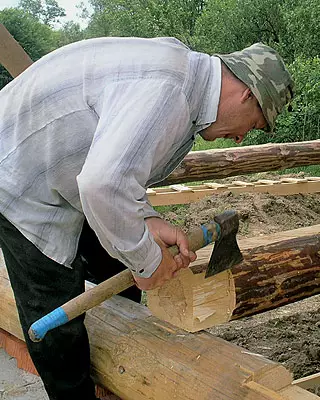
[300, 121]
[69, 33]
[302, 28]
[46, 11]
[230, 25]
[145, 18]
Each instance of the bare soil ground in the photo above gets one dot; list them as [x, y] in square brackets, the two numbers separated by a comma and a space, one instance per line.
[290, 334]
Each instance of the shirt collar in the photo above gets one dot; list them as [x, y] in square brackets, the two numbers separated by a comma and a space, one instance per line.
[209, 107]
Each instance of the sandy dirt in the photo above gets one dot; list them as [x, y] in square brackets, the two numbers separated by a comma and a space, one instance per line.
[289, 334]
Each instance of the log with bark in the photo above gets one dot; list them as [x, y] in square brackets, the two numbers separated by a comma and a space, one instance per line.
[139, 357]
[221, 163]
[277, 270]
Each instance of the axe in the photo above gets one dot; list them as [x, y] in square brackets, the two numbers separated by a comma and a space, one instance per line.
[225, 254]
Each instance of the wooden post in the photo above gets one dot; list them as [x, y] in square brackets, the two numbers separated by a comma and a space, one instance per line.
[277, 270]
[12, 55]
[139, 357]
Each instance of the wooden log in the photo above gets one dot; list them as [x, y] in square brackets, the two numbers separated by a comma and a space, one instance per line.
[12, 55]
[277, 270]
[221, 163]
[139, 357]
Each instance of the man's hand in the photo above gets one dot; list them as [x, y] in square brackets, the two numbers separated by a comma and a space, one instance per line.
[166, 235]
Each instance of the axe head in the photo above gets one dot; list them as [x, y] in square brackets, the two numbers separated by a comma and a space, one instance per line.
[226, 252]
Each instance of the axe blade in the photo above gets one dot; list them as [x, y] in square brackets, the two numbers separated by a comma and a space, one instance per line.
[226, 252]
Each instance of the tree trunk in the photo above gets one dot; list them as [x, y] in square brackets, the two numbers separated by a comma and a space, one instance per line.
[277, 270]
[221, 163]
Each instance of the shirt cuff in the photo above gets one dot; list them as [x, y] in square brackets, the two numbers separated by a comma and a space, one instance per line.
[142, 260]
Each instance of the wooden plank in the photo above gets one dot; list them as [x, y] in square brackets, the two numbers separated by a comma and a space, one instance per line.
[267, 181]
[293, 180]
[313, 178]
[12, 55]
[167, 196]
[308, 382]
[151, 192]
[296, 393]
[181, 188]
[214, 185]
[241, 183]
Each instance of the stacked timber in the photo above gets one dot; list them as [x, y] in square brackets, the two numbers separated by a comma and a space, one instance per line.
[139, 357]
[276, 270]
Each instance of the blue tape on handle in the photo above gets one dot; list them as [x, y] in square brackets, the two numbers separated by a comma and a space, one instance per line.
[208, 235]
[52, 320]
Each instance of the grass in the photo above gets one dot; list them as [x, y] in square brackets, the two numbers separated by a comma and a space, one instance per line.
[310, 170]
[201, 144]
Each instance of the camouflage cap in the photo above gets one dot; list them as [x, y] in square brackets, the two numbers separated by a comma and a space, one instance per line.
[262, 69]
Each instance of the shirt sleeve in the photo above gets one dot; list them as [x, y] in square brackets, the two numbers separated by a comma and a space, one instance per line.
[140, 127]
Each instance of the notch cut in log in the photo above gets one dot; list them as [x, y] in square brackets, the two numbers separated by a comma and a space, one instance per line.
[139, 357]
[277, 270]
[12, 56]
[222, 163]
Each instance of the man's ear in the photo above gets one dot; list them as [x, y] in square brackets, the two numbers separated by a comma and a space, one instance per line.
[246, 94]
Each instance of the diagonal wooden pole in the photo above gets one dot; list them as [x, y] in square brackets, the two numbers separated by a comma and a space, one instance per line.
[12, 56]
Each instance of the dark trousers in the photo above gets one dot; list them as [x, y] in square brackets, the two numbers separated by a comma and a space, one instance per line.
[40, 285]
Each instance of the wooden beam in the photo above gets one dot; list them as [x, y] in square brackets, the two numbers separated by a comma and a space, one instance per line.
[181, 194]
[12, 55]
[139, 357]
[308, 382]
[221, 163]
[296, 393]
[277, 270]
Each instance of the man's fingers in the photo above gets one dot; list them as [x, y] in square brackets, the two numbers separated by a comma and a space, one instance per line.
[192, 256]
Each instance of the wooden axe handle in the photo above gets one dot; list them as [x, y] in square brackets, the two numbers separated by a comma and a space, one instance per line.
[198, 238]
[12, 56]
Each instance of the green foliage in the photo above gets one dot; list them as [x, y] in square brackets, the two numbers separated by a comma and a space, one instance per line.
[301, 19]
[69, 33]
[145, 18]
[229, 25]
[302, 122]
[46, 11]
[309, 170]
[36, 38]
[201, 144]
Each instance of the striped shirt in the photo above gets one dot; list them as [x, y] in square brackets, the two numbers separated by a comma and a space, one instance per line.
[87, 128]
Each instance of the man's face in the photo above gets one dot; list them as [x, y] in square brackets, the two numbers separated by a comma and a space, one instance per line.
[236, 117]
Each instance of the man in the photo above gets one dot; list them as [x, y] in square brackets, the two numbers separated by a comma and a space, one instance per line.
[84, 131]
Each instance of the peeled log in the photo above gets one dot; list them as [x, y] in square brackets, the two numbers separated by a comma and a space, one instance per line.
[139, 357]
[221, 163]
[283, 268]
